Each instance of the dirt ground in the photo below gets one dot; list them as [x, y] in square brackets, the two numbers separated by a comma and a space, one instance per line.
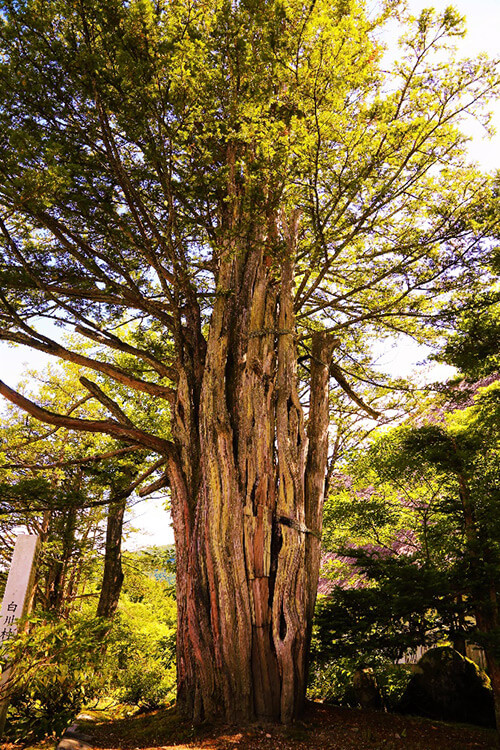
[322, 728]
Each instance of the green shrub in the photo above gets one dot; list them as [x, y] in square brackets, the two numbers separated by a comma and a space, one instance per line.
[147, 683]
[392, 680]
[332, 681]
[55, 674]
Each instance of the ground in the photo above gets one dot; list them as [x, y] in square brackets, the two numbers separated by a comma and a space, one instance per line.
[323, 728]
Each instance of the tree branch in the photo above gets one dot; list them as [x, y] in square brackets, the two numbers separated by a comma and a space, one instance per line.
[106, 401]
[144, 476]
[157, 485]
[108, 427]
[108, 339]
[71, 461]
[336, 372]
[116, 373]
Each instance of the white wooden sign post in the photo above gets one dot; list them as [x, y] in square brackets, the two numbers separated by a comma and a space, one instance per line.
[16, 602]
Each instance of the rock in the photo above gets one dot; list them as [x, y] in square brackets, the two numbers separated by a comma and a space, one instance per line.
[450, 687]
[366, 690]
[71, 743]
[73, 739]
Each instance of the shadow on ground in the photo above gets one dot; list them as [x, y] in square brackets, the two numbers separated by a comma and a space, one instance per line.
[323, 728]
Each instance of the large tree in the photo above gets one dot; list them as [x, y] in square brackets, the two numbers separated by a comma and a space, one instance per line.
[229, 195]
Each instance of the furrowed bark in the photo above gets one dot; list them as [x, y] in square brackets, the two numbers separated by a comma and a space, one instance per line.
[289, 598]
[216, 630]
[243, 501]
[255, 395]
[323, 345]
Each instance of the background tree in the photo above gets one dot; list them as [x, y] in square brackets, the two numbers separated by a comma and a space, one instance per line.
[426, 520]
[72, 492]
[238, 185]
[473, 347]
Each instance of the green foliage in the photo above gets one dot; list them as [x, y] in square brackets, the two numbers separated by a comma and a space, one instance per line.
[418, 519]
[148, 682]
[401, 606]
[392, 680]
[332, 681]
[56, 672]
[474, 347]
[150, 572]
[140, 659]
[129, 128]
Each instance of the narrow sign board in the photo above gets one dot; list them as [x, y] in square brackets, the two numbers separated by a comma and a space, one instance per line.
[16, 600]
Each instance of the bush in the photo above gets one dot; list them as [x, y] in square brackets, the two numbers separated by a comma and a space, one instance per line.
[392, 680]
[332, 681]
[55, 674]
[147, 683]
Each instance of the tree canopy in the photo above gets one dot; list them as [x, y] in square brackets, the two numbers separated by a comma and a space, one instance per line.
[138, 138]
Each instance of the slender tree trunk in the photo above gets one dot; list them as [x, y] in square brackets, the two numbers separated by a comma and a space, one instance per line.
[247, 492]
[488, 621]
[59, 566]
[485, 591]
[323, 345]
[112, 578]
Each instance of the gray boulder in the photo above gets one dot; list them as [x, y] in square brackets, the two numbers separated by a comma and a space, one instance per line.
[447, 686]
[74, 739]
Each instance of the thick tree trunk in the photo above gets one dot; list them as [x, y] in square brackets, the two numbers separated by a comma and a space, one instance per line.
[494, 673]
[247, 492]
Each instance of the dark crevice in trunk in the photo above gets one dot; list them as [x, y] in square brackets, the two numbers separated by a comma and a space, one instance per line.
[283, 626]
[276, 544]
